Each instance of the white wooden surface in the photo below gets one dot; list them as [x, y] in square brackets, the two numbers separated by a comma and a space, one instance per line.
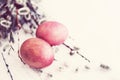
[93, 26]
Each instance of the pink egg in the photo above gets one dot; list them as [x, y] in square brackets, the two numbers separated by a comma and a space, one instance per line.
[37, 53]
[53, 32]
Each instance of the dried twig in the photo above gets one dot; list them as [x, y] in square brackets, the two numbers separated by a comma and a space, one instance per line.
[7, 66]
[75, 50]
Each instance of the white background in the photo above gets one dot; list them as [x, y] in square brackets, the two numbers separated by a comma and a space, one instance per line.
[94, 27]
